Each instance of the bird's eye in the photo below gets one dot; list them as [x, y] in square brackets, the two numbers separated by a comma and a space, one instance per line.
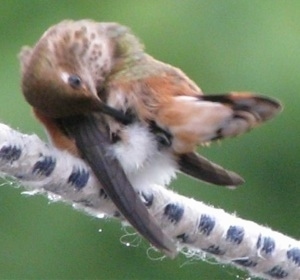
[74, 81]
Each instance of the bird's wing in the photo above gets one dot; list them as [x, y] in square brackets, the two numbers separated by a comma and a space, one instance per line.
[92, 142]
[203, 169]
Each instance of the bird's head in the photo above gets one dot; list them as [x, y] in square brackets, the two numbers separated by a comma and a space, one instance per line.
[65, 73]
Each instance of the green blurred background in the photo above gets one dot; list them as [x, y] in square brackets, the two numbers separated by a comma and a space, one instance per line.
[223, 46]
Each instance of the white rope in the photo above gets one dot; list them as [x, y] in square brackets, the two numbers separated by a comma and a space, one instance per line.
[202, 229]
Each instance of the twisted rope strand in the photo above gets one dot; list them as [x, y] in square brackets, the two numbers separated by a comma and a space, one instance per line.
[200, 228]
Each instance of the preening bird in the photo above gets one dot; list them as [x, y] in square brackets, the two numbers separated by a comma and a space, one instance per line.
[134, 119]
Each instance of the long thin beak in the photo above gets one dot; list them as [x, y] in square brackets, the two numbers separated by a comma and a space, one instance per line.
[92, 142]
[114, 113]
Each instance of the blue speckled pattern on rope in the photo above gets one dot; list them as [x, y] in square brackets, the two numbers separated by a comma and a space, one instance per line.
[200, 228]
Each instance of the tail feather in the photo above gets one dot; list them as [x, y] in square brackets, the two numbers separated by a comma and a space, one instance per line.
[263, 107]
[194, 120]
[248, 111]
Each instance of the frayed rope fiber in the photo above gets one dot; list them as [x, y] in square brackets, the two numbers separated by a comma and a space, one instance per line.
[200, 228]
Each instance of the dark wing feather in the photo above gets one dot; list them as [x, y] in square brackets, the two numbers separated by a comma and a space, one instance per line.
[92, 143]
[201, 168]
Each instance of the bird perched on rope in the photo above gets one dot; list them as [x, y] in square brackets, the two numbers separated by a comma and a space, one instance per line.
[134, 119]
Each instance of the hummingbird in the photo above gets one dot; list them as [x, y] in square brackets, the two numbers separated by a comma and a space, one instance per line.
[135, 120]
